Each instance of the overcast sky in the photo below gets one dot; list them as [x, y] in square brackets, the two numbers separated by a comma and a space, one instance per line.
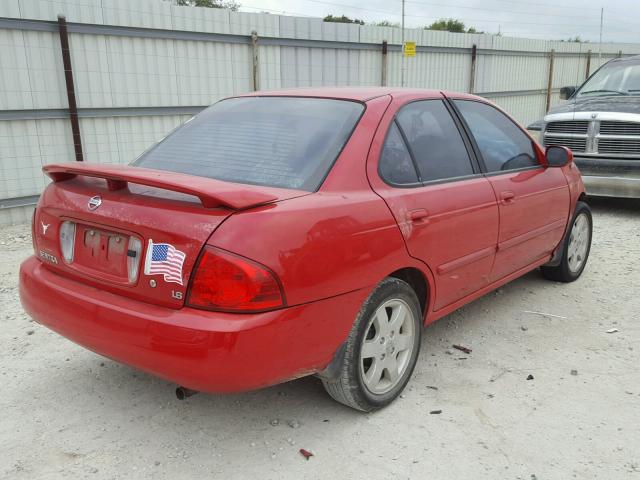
[543, 19]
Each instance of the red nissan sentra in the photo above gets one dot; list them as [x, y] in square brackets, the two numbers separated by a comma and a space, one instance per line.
[278, 235]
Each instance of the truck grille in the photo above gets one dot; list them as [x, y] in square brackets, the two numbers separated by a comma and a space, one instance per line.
[619, 147]
[619, 128]
[576, 127]
[607, 137]
[575, 144]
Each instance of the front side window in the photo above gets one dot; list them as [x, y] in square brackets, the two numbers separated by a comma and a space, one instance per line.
[287, 142]
[434, 141]
[502, 144]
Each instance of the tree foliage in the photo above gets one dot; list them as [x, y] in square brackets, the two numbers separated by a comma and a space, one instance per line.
[342, 19]
[451, 25]
[229, 4]
[387, 23]
[575, 39]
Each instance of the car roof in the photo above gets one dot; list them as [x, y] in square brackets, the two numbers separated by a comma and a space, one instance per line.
[361, 94]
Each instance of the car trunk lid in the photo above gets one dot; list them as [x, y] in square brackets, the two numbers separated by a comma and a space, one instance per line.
[135, 231]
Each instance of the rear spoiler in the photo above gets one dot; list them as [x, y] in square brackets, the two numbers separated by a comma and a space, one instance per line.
[212, 193]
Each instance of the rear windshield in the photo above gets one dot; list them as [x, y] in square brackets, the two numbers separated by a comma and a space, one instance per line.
[288, 142]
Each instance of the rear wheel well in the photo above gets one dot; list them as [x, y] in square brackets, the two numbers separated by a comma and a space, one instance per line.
[415, 279]
[582, 197]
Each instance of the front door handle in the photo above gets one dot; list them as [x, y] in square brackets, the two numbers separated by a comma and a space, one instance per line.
[508, 197]
[420, 216]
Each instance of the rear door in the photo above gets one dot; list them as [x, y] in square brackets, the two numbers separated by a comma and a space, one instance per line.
[445, 208]
[533, 199]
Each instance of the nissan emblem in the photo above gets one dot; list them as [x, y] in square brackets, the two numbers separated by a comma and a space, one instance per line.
[94, 202]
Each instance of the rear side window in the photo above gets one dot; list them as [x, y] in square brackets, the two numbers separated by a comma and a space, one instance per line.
[502, 144]
[287, 142]
[396, 166]
[434, 140]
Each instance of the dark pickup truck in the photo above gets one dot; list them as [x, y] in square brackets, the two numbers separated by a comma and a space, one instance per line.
[601, 125]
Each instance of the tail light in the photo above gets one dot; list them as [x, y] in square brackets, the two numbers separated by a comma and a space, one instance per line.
[133, 258]
[67, 240]
[227, 282]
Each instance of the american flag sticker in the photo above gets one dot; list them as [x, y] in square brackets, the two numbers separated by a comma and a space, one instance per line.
[164, 259]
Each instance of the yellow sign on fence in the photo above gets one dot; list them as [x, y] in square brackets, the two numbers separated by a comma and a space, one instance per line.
[409, 49]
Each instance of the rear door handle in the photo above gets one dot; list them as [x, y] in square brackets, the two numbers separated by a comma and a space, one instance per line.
[508, 197]
[419, 216]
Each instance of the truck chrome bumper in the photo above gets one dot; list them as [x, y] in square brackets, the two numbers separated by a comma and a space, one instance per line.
[610, 177]
[624, 187]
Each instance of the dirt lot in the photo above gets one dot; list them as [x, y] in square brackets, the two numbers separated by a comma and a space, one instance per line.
[68, 413]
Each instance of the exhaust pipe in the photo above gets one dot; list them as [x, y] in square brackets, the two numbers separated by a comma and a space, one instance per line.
[182, 392]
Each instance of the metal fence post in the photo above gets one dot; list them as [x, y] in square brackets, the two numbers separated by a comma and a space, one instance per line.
[71, 92]
[254, 59]
[550, 82]
[383, 76]
[472, 76]
[588, 69]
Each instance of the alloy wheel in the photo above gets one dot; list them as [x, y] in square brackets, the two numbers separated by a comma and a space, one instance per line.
[579, 240]
[387, 347]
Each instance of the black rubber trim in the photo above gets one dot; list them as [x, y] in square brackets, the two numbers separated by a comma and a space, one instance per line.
[332, 371]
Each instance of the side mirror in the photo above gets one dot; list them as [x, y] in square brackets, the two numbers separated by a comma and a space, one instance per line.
[566, 92]
[558, 156]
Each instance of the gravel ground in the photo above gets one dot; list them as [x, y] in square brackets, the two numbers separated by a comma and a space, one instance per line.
[68, 413]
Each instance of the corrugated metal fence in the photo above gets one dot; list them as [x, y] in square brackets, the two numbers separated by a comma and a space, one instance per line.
[141, 68]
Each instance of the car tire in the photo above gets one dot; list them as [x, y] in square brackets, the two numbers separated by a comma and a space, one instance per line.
[381, 350]
[575, 248]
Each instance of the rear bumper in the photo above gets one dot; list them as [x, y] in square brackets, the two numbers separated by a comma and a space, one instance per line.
[205, 351]
[610, 177]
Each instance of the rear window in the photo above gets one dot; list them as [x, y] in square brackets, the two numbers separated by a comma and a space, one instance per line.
[287, 142]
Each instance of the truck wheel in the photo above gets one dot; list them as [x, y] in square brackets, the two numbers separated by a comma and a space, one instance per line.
[381, 350]
[576, 248]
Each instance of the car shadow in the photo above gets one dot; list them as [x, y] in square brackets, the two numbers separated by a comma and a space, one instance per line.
[620, 206]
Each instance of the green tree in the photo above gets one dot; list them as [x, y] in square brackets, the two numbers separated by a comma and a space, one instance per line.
[386, 23]
[451, 25]
[230, 4]
[576, 39]
[342, 19]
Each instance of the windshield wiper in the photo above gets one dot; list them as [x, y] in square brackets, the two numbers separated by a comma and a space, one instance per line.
[619, 92]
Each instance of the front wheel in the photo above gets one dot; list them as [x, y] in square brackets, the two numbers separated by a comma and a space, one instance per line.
[381, 350]
[576, 247]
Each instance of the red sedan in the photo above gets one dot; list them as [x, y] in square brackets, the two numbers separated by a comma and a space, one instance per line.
[278, 235]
